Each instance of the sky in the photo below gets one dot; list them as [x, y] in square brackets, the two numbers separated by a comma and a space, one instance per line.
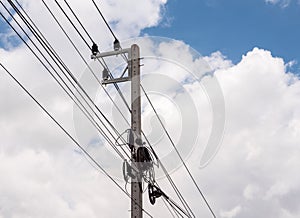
[223, 77]
[234, 27]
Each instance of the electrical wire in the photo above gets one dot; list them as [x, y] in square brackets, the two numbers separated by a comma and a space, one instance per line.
[66, 68]
[87, 44]
[101, 132]
[82, 58]
[103, 18]
[170, 180]
[104, 65]
[72, 138]
[178, 193]
[172, 214]
[80, 23]
[86, 102]
[185, 166]
[115, 84]
[46, 41]
[79, 33]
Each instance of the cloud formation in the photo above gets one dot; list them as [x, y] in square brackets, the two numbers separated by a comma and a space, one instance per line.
[261, 141]
[281, 3]
[254, 174]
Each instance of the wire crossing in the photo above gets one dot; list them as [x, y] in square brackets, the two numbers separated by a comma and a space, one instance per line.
[70, 93]
[184, 164]
[69, 135]
[54, 65]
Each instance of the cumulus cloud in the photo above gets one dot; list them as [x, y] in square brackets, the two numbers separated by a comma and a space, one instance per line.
[260, 144]
[254, 174]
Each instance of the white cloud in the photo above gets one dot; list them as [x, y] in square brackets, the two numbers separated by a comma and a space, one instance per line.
[260, 146]
[252, 191]
[255, 173]
[218, 61]
[44, 177]
[232, 213]
[281, 3]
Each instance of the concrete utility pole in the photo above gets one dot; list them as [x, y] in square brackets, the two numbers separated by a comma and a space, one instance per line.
[135, 134]
[136, 183]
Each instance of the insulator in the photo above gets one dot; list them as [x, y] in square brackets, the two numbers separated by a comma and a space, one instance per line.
[105, 74]
[117, 45]
[95, 49]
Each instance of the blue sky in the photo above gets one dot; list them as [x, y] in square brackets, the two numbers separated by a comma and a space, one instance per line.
[234, 27]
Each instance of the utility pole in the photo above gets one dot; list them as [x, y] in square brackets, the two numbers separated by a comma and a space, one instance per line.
[135, 141]
[136, 183]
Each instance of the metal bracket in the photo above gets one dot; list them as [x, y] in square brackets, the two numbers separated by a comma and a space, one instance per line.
[113, 53]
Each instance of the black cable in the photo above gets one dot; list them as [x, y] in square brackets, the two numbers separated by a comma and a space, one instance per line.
[144, 135]
[73, 24]
[177, 213]
[123, 55]
[79, 53]
[20, 6]
[176, 207]
[151, 147]
[103, 18]
[65, 68]
[172, 203]
[78, 84]
[176, 190]
[102, 132]
[185, 166]
[72, 138]
[164, 201]
[173, 185]
[30, 27]
[39, 32]
[105, 65]
[79, 22]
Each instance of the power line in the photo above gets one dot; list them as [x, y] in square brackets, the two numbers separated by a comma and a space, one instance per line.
[92, 71]
[103, 18]
[79, 53]
[104, 65]
[81, 36]
[185, 166]
[78, 84]
[79, 22]
[88, 116]
[165, 203]
[75, 87]
[170, 180]
[95, 76]
[70, 136]
[164, 169]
